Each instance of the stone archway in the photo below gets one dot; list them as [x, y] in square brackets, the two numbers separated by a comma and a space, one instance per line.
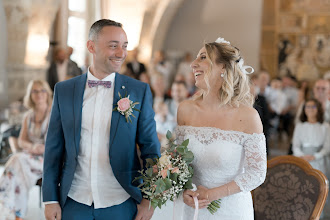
[157, 19]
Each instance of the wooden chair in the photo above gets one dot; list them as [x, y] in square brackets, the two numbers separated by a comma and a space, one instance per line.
[39, 183]
[292, 190]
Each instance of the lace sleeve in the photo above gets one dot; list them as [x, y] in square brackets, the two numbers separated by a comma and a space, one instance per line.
[179, 134]
[255, 163]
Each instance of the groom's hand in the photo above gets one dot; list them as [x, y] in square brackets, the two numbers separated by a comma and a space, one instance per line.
[53, 211]
[144, 213]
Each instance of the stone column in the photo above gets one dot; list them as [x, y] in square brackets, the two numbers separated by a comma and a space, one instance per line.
[28, 26]
[3, 59]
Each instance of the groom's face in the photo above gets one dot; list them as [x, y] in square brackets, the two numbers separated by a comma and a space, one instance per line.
[110, 49]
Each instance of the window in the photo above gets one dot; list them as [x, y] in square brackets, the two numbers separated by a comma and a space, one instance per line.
[77, 34]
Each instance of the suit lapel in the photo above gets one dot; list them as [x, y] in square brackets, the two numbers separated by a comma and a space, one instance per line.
[78, 96]
[119, 83]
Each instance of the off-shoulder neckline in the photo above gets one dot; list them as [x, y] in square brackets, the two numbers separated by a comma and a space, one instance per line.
[219, 129]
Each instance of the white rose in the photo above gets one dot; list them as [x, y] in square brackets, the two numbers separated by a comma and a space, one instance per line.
[164, 160]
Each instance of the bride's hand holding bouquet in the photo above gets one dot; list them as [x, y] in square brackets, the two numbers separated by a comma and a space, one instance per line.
[167, 177]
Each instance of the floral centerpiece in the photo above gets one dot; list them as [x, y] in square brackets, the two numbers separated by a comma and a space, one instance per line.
[165, 178]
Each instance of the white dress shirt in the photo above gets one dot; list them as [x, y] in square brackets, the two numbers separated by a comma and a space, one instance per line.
[94, 181]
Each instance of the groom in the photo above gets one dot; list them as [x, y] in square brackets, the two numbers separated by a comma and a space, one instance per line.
[90, 155]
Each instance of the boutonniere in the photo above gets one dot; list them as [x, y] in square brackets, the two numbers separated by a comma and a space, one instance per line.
[125, 106]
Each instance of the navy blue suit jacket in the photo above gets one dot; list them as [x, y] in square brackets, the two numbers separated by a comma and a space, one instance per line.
[63, 137]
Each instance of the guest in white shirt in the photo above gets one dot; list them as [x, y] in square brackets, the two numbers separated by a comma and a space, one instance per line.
[91, 156]
[263, 87]
[179, 93]
[311, 139]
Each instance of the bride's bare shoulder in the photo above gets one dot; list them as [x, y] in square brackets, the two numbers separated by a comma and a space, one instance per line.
[250, 119]
[185, 109]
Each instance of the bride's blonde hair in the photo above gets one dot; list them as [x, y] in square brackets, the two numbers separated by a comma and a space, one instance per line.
[235, 89]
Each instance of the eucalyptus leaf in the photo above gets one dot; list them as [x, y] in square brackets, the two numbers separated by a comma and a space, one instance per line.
[174, 177]
[188, 184]
[185, 143]
[160, 186]
[169, 135]
[149, 171]
[168, 183]
[180, 150]
[154, 203]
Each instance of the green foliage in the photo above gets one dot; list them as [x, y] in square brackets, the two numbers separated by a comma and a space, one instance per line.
[154, 186]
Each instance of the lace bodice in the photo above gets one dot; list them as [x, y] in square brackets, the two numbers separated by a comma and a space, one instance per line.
[222, 156]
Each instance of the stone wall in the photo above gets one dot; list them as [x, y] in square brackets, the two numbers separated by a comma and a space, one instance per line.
[28, 27]
[3, 58]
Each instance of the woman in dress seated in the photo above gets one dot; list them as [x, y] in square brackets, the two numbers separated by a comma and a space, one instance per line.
[311, 137]
[225, 134]
[24, 168]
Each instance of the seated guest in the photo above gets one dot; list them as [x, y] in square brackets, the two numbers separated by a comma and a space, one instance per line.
[179, 93]
[164, 122]
[62, 68]
[321, 92]
[311, 139]
[24, 168]
[158, 88]
[135, 68]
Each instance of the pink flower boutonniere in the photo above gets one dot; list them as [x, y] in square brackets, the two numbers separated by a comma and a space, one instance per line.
[125, 107]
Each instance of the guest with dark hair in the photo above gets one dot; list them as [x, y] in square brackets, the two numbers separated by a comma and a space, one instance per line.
[261, 105]
[135, 68]
[311, 139]
[62, 68]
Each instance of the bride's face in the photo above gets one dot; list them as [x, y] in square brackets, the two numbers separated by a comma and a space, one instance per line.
[202, 67]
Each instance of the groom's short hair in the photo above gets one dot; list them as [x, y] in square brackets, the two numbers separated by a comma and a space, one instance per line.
[98, 25]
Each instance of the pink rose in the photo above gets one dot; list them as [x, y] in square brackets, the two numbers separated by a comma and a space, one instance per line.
[164, 173]
[124, 104]
[175, 170]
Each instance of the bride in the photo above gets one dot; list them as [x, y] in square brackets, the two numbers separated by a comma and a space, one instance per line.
[225, 135]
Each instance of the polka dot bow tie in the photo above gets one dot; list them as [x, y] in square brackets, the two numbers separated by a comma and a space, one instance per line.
[94, 83]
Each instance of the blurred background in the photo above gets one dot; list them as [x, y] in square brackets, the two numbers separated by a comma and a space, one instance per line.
[287, 42]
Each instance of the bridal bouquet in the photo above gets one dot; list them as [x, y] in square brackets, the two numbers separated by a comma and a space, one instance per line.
[167, 177]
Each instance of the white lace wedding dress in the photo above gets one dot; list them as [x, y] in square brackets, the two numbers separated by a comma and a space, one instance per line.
[220, 157]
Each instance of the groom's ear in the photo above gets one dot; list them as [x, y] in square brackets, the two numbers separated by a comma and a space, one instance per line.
[91, 46]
